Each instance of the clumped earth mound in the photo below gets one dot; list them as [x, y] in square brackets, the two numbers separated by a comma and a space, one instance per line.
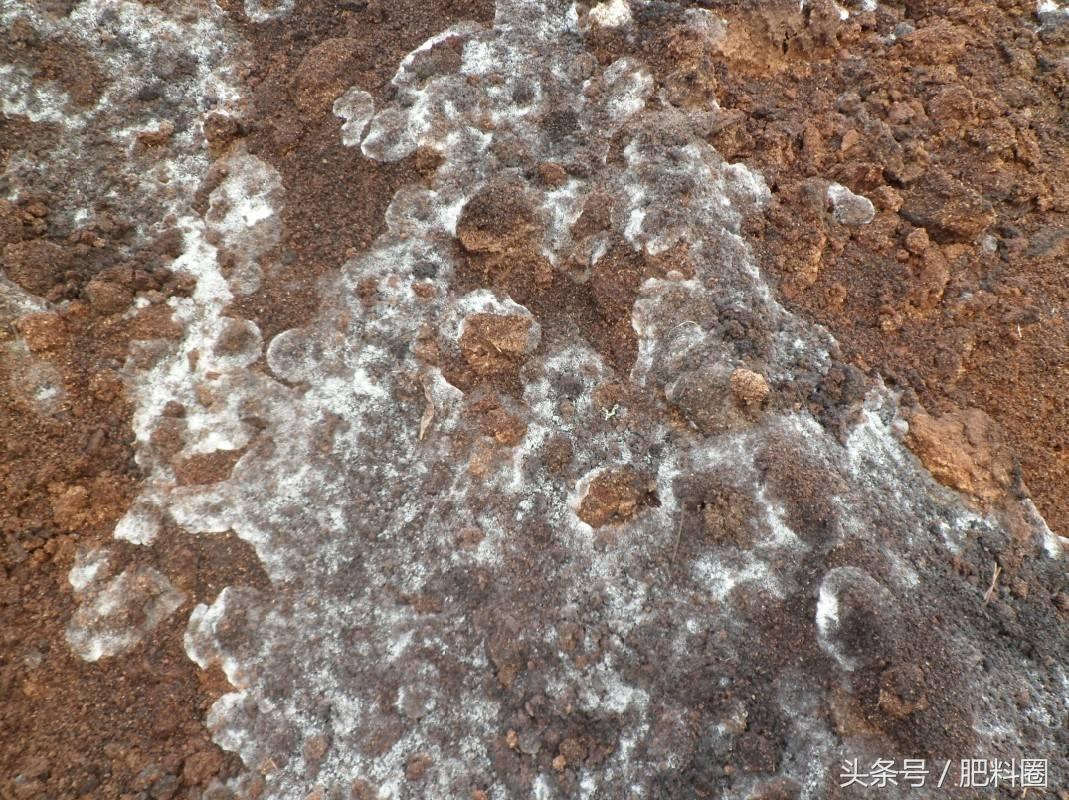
[527, 399]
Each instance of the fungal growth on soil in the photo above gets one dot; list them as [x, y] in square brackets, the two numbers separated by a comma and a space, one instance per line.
[548, 482]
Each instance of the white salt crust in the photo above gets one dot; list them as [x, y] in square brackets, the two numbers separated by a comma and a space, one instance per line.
[849, 208]
[611, 14]
[268, 10]
[114, 617]
[134, 47]
[309, 548]
[89, 566]
[1052, 8]
[356, 107]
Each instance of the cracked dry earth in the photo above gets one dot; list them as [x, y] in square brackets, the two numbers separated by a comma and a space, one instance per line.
[531, 399]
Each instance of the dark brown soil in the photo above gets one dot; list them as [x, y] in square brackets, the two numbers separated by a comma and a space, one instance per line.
[335, 197]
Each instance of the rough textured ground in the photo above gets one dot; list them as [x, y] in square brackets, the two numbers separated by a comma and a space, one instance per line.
[661, 400]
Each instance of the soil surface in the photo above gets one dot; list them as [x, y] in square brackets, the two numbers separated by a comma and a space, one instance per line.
[939, 271]
[136, 727]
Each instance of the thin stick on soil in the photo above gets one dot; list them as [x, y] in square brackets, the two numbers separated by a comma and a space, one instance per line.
[679, 534]
[994, 582]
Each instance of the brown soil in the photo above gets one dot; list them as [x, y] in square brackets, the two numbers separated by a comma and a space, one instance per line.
[956, 131]
[65, 480]
[335, 197]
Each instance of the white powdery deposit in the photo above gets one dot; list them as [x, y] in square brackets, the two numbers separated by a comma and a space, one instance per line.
[114, 617]
[611, 14]
[135, 47]
[159, 70]
[849, 208]
[1052, 12]
[194, 372]
[268, 10]
[89, 566]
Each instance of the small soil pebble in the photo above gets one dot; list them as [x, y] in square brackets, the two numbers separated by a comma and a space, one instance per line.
[749, 388]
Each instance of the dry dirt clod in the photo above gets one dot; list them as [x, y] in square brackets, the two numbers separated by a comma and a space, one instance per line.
[108, 298]
[750, 389]
[43, 331]
[963, 449]
[496, 220]
[950, 210]
[497, 342]
[917, 241]
[614, 496]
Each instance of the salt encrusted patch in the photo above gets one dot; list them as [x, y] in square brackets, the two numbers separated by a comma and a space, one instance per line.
[89, 566]
[426, 598]
[611, 13]
[16, 301]
[114, 617]
[38, 103]
[315, 353]
[1052, 12]
[148, 37]
[268, 10]
[242, 220]
[374, 529]
[848, 7]
[630, 86]
[356, 107]
[849, 208]
[139, 525]
[828, 622]
[720, 578]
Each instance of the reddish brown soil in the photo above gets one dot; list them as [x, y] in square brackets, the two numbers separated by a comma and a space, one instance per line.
[65, 480]
[959, 128]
